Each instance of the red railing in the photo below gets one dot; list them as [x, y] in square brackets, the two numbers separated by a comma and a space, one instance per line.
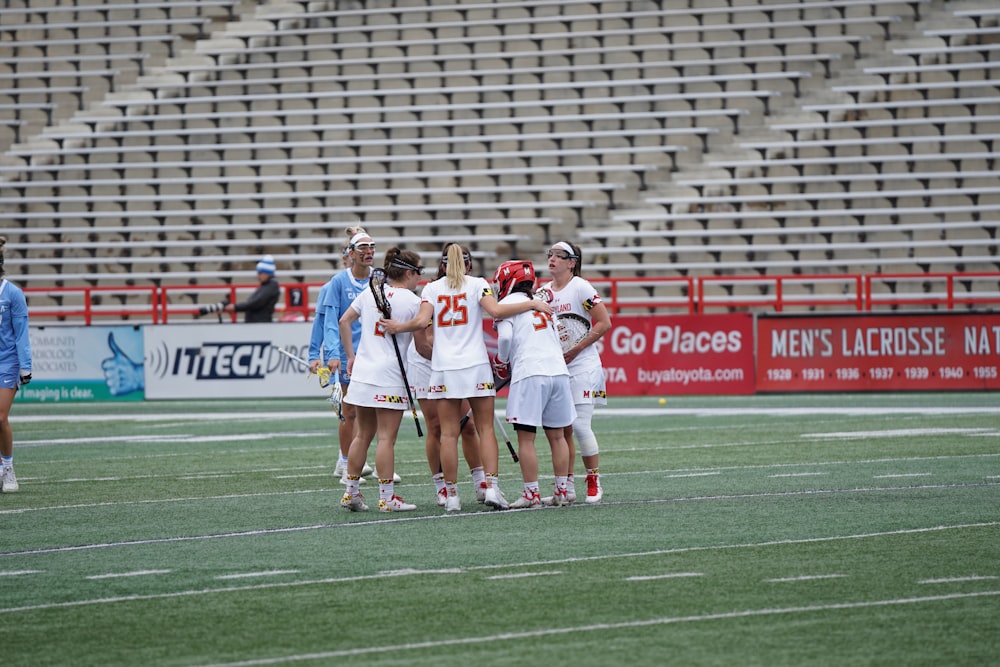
[684, 294]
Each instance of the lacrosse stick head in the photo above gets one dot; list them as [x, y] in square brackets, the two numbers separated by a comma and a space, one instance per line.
[376, 282]
[510, 274]
[571, 329]
[337, 396]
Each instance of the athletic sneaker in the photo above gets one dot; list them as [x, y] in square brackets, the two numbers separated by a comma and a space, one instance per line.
[8, 483]
[527, 500]
[354, 503]
[594, 490]
[560, 498]
[453, 504]
[441, 496]
[395, 477]
[481, 492]
[341, 469]
[395, 504]
[367, 470]
[343, 479]
[495, 499]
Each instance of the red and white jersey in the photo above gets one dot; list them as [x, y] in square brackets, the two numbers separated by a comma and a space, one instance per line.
[532, 342]
[458, 323]
[578, 297]
[375, 359]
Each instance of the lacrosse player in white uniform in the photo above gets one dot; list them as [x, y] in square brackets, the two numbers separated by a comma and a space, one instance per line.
[570, 293]
[460, 367]
[528, 352]
[418, 370]
[378, 390]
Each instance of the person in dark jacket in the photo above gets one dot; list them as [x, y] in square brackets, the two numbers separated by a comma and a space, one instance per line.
[259, 307]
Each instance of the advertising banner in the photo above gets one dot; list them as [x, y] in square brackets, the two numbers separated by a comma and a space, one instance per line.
[878, 352]
[679, 354]
[95, 363]
[228, 361]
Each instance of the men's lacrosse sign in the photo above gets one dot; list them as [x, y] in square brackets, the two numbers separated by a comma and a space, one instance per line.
[879, 352]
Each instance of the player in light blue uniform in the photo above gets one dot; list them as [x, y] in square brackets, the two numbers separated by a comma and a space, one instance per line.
[15, 367]
[336, 296]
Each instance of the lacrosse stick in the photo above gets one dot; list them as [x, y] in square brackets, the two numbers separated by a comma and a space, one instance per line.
[323, 373]
[571, 329]
[377, 285]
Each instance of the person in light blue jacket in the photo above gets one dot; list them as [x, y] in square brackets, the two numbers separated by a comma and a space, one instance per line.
[15, 367]
[336, 296]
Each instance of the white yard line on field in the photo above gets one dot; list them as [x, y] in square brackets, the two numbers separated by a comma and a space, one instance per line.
[599, 627]
[119, 575]
[479, 568]
[670, 575]
[956, 580]
[804, 577]
[604, 411]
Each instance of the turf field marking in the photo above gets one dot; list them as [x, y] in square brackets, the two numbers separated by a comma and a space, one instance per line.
[804, 577]
[435, 517]
[474, 568]
[708, 473]
[799, 474]
[954, 580]
[603, 627]
[671, 575]
[878, 411]
[523, 575]
[894, 475]
[119, 575]
[18, 573]
[898, 433]
[252, 575]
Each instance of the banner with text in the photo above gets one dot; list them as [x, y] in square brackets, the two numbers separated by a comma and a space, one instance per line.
[228, 361]
[878, 352]
[679, 354]
[95, 363]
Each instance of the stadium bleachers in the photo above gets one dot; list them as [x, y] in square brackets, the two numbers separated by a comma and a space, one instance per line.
[177, 141]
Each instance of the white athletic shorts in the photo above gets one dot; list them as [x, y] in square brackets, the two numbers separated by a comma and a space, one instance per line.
[589, 387]
[371, 396]
[419, 375]
[541, 400]
[462, 383]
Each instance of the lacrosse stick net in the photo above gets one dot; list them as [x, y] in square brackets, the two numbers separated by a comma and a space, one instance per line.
[571, 329]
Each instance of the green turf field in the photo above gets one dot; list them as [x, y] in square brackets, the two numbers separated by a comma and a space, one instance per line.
[769, 530]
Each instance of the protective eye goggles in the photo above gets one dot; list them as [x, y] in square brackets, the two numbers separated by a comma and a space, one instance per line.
[400, 264]
[554, 253]
[365, 246]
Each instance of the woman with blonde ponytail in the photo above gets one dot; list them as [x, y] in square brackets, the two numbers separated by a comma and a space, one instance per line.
[454, 306]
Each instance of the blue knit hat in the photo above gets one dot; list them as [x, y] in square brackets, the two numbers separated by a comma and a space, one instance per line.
[266, 265]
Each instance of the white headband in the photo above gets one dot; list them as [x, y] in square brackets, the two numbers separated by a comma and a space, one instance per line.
[357, 239]
[567, 248]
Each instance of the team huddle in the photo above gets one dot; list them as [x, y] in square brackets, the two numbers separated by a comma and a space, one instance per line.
[390, 348]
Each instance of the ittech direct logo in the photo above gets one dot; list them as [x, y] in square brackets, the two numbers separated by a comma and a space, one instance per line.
[216, 361]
